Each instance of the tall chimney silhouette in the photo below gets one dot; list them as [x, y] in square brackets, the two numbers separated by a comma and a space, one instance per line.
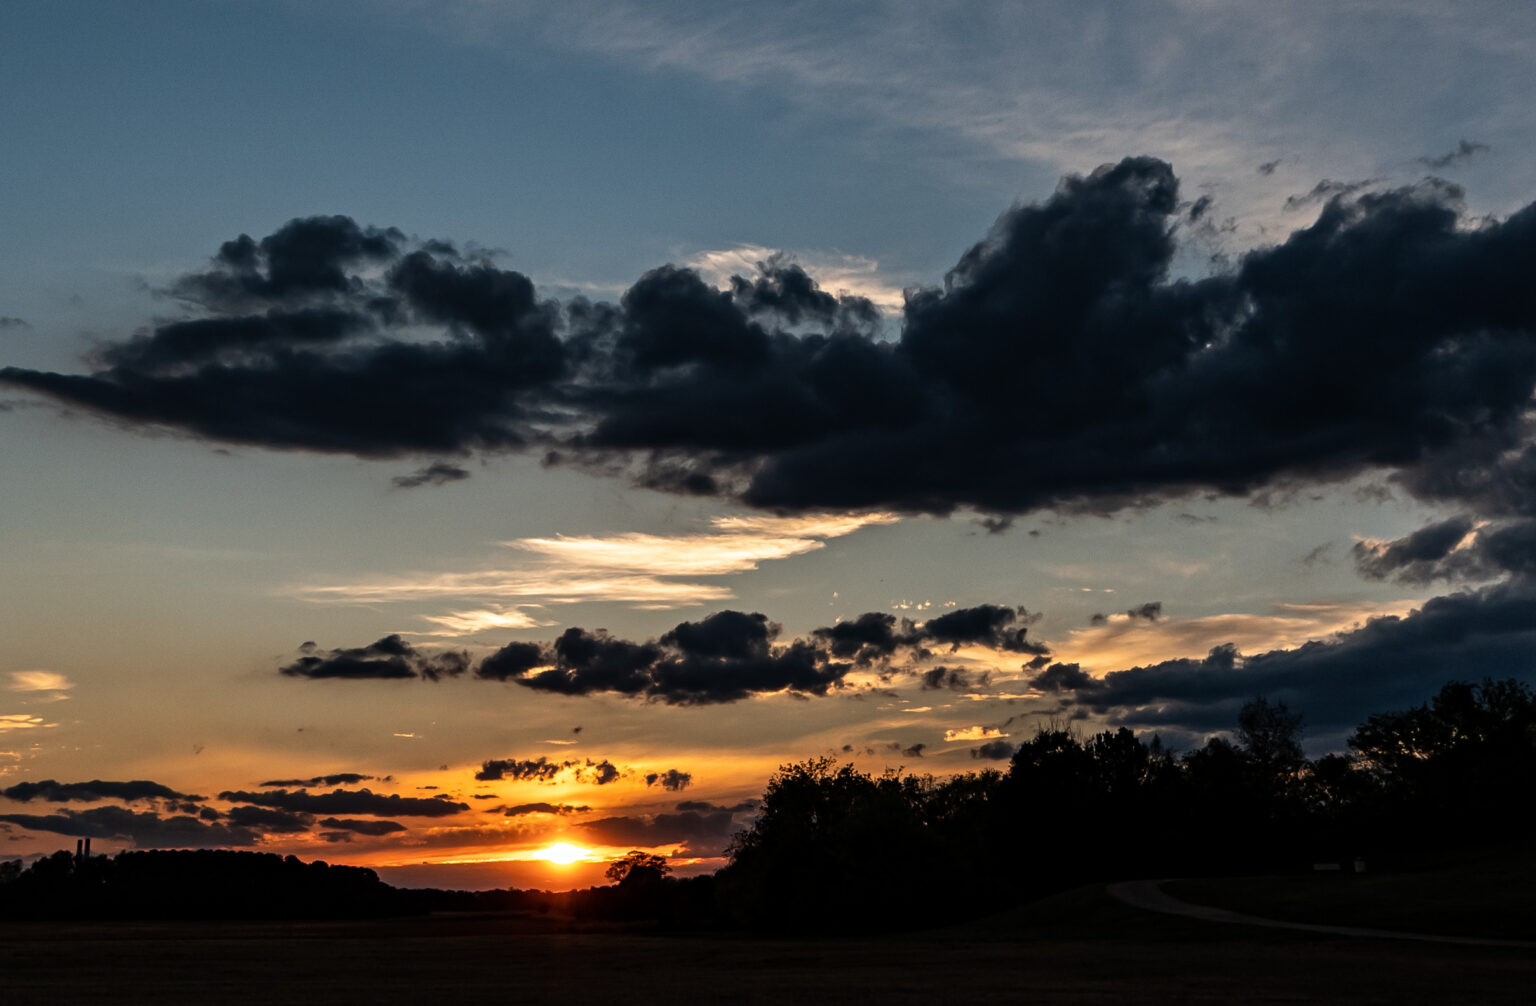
[87, 848]
[79, 849]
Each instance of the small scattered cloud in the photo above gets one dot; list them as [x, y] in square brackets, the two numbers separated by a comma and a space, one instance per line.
[541, 769]
[524, 809]
[1465, 150]
[1325, 190]
[336, 779]
[994, 751]
[671, 780]
[976, 733]
[438, 473]
[44, 684]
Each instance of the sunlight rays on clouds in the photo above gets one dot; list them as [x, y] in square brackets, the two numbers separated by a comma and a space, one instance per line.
[834, 272]
[1123, 641]
[646, 571]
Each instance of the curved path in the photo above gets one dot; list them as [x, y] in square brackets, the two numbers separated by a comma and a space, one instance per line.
[1149, 895]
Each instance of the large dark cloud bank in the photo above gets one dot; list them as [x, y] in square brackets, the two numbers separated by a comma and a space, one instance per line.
[1060, 365]
[1057, 365]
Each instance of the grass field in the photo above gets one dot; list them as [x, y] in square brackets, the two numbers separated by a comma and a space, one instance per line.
[1490, 894]
[1076, 948]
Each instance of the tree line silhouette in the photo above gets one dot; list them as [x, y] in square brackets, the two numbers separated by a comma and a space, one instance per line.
[837, 849]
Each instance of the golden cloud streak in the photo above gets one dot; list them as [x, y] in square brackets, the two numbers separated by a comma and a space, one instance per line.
[465, 623]
[641, 569]
[670, 555]
[39, 681]
[1126, 642]
[21, 721]
[977, 733]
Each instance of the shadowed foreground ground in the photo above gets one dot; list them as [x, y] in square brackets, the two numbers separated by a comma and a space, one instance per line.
[1079, 948]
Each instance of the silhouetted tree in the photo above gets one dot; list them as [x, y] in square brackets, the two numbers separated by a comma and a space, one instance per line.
[636, 867]
[1270, 734]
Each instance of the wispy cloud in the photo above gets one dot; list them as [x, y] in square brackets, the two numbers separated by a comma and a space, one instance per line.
[1123, 641]
[1216, 88]
[40, 686]
[977, 733]
[39, 681]
[21, 721]
[649, 571]
[466, 623]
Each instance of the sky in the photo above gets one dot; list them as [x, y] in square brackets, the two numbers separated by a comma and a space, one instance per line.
[436, 432]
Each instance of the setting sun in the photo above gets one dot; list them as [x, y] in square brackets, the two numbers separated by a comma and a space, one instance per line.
[563, 853]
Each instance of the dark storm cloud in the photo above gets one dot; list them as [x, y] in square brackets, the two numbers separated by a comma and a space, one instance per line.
[191, 342]
[953, 678]
[269, 820]
[438, 473]
[302, 259]
[1417, 558]
[994, 751]
[522, 809]
[723, 657]
[991, 625]
[784, 289]
[870, 637]
[1465, 151]
[513, 661]
[599, 773]
[729, 634]
[372, 828]
[390, 657]
[1444, 551]
[704, 807]
[90, 792]
[1057, 366]
[1149, 612]
[143, 829]
[702, 833]
[671, 780]
[1391, 661]
[1063, 678]
[7, 321]
[539, 769]
[343, 801]
[586, 662]
[1495, 475]
[338, 779]
[295, 351]
[875, 636]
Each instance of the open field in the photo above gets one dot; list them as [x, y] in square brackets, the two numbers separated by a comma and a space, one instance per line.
[1487, 894]
[1077, 948]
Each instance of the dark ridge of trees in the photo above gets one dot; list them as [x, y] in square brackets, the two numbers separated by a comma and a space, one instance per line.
[193, 884]
[836, 849]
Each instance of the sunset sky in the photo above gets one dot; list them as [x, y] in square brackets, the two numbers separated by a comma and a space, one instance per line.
[431, 432]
